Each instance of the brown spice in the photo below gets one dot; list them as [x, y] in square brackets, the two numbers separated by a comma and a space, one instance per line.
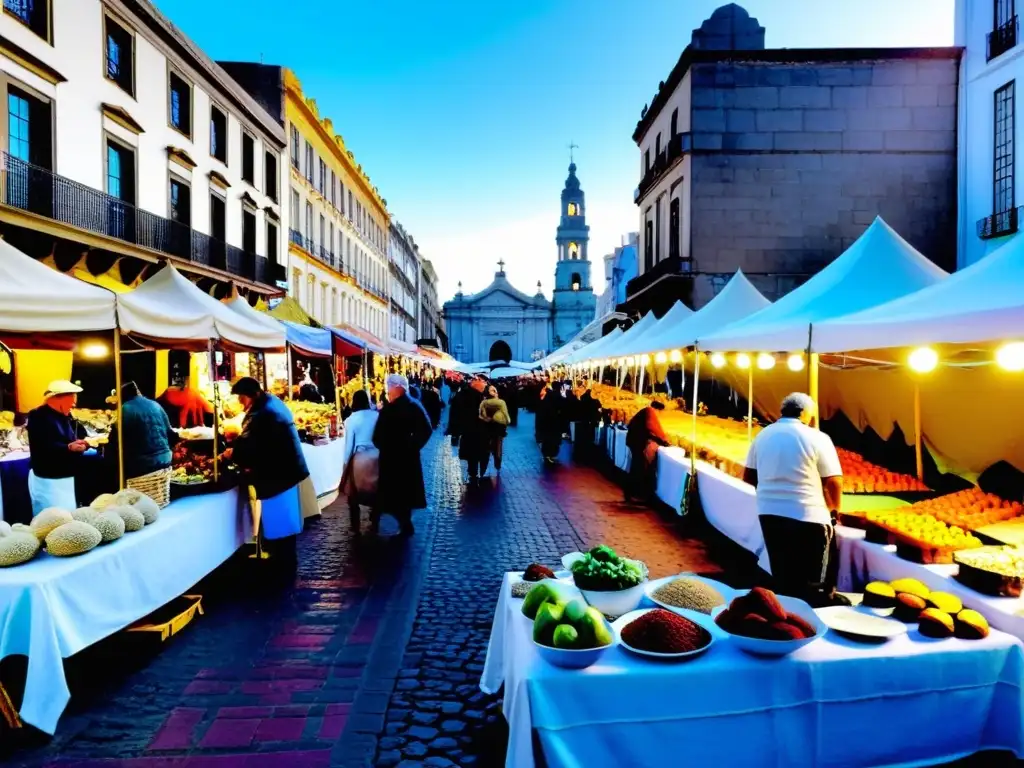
[661, 631]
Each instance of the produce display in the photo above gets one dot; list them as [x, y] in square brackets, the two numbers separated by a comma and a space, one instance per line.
[602, 570]
[992, 570]
[921, 537]
[317, 419]
[12, 439]
[536, 572]
[970, 509]
[96, 421]
[689, 593]
[571, 625]
[861, 476]
[760, 614]
[48, 520]
[73, 538]
[189, 466]
[17, 547]
[661, 631]
[937, 614]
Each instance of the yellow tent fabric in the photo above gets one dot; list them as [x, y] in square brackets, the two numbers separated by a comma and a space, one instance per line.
[290, 310]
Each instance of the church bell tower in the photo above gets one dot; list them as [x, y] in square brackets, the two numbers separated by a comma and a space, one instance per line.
[574, 302]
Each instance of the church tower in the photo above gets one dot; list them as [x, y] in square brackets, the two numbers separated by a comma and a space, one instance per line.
[574, 302]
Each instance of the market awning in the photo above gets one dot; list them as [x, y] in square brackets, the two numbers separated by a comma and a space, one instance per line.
[312, 342]
[641, 343]
[611, 350]
[37, 299]
[593, 350]
[289, 309]
[879, 267]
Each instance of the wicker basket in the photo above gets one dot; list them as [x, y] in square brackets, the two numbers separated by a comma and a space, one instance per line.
[156, 485]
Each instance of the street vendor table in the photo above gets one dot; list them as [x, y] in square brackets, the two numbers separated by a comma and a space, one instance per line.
[861, 561]
[324, 462]
[93, 478]
[673, 469]
[911, 701]
[52, 608]
[618, 450]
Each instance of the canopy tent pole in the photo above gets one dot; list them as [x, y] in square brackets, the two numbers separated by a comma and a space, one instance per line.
[118, 375]
[750, 404]
[693, 407]
[216, 408]
[288, 376]
[812, 374]
[263, 367]
[643, 372]
[918, 456]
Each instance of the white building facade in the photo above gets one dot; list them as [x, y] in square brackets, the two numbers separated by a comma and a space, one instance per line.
[120, 134]
[404, 290]
[989, 195]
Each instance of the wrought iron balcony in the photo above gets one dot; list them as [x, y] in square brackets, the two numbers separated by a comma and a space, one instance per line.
[677, 145]
[999, 224]
[1002, 38]
[669, 266]
[44, 193]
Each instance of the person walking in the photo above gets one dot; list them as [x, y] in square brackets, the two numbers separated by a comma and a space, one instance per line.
[643, 438]
[148, 439]
[401, 432]
[588, 416]
[795, 469]
[360, 459]
[548, 427]
[464, 422]
[55, 449]
[494, 414]
[432, 403]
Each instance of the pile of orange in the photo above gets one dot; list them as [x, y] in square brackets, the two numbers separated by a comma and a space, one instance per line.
[861, 476]
[970, 509]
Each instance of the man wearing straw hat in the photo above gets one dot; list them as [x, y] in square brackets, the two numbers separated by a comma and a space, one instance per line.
[55, 448]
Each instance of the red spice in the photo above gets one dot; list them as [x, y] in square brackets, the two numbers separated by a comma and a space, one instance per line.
[661, 631]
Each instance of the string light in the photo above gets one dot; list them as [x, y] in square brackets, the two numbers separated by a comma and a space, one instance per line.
[661, 358]
[718, 360]
[742, 360]
[795, 363]
[765, 362]
[1010, 357]
[645, 360]
[923, 360]
[95, 351]
[676, 356]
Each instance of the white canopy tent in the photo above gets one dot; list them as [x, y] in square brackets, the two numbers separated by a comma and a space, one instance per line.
[591, 333]
[981, 303]
[592, 350]
[242, 307]
[169, 308]
[642, 343]
[879, 267]
[37, 299]
[612, 349]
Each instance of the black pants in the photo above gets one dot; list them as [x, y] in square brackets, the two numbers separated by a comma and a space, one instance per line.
[478, 464]
[803, 556]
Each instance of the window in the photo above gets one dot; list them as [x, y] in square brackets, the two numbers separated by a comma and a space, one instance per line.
[648, 242]
[657, 230]
[1003, 36]
[341, 196]
[673, 229]
[34, 14]
[29, 128]
[350, 208]
[309, 224]
[323, 235]
[218, 134]
[322, 188]
[576, 281]
[334, 190]
[647, 160]
[272, 242]
[218, 218]
[295, 147]
[120, 172]
[572, 209]
[1003, 156]
[180, 202]
[657, 145]
[294, 210]
[270, 175]
[248, 230]
[674, 128]
[309, 162]
[180, 105]
[330, 240]
[120, 55]
[248, 158]
[574, 251]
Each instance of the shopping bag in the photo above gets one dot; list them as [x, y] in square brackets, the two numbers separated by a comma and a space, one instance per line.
[282, 515]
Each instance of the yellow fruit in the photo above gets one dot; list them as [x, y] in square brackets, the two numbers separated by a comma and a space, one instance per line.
[18, 547]
[49, 519]
[74, 538]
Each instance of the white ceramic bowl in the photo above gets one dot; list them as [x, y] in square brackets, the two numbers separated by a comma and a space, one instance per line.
[727, 592]
[758, 647]
[615, 603]
[701, 619]
[572, 658]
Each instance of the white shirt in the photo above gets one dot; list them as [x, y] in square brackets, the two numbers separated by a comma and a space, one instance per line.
[791, 459]
[359, 432]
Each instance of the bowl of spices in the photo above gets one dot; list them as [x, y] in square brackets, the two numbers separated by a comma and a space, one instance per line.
[690, 592]
[665, 635]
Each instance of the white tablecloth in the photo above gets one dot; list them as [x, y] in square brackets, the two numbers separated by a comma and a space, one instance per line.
[912, 701]
[860, 561]
[619, 452]
[730, 505]
[324, 462]
[52, 608]
[673, 469]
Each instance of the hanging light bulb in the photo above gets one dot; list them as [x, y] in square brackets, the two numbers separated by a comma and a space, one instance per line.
[645, 360]
[676, 356]
[923, 360]
[795, 363]
[1010, 357]
[742, 360]
[718, 360]
[95, 350]
[661, 358]
[765, 362]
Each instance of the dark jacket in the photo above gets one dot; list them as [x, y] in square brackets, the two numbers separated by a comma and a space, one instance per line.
[148, 436]
[403, 428]
[645, 428]
[432, 403]
[49, 434]
[464, 421]
[268, 450]
[589, 409]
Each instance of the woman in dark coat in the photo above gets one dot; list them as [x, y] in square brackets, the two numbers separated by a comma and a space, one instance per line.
[403, 428]
[464, 422]
[549, 424]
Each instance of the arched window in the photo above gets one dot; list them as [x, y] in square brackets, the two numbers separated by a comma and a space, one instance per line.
[573, 210]
[574, 250]
[577, 281]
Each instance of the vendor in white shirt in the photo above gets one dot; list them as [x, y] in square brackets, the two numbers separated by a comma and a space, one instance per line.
[799, 482]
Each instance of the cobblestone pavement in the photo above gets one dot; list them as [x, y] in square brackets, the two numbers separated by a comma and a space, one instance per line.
[372, 655]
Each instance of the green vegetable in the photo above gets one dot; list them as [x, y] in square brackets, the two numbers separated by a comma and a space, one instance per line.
[601, 570]
[565, 636]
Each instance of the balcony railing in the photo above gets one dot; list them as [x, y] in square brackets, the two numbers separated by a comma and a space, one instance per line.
[677, 145]
[1002, 38]
[44, 193]
[669, 266]
[999, 224]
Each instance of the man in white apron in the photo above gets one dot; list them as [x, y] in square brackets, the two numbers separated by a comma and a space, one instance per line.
[55, 450]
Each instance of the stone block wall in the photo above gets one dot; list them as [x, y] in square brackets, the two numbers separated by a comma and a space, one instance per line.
[791, 162]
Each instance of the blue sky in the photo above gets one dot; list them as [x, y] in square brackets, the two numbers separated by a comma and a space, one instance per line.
[462, 112]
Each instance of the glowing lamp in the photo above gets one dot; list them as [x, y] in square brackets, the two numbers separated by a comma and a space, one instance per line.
[742, 361]
[795, 363]
[718, 360]
[95, 351]
[645, 360]
[765, 362]
[661, 358]
[1010, 357]
[676, 356]
[923, 360]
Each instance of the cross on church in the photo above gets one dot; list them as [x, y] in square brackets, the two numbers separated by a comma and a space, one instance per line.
[501, 265]
[572, 146]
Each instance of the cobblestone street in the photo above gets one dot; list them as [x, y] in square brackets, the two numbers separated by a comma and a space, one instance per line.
[372, 656]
